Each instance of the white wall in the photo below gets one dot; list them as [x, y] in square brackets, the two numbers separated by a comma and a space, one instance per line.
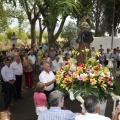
[106, 42]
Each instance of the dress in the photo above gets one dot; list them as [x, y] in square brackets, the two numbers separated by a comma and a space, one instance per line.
[40, 101]
[91, 116]
[56, 113]
[28, 72]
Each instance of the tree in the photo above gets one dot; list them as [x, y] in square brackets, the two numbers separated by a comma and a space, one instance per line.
[99, 17]
[3, 18]
[112, 15]
[69, 32]
[55, 12]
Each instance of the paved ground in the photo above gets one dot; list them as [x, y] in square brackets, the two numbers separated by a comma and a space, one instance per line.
[24, 109]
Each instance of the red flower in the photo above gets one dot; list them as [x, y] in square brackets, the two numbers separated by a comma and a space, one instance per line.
[61, 69]
[96, 68]
[66, 63]
[67, 82]
[65, 74]
[81, 65]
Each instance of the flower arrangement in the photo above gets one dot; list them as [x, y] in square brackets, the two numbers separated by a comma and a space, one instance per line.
[89, 78]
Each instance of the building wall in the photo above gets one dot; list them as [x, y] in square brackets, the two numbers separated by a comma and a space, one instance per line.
[106, 42]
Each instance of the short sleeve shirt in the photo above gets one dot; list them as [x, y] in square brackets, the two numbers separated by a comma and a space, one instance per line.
[45, 77]
[40, 99]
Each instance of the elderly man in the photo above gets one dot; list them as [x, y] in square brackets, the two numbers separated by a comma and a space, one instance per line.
[9, 79]
[56, 102]
[18, 71]
[92, 106]
[48, 78]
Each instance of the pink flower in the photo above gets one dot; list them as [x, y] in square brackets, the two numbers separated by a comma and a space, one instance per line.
[70, 72]
[110, 83]
[88, 70]
[80, 78]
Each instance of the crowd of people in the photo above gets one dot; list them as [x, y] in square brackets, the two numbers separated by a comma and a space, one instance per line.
[15, 63]
[107, 55]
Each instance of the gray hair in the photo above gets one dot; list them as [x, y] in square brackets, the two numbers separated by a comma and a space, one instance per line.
[55, 97]
[91, 103]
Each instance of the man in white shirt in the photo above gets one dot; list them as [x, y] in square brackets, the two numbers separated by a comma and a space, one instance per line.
[18, 71]
[47, 77]
[33, 59]
[92, 106]
[55, 64]
[107, 56]
[9, 79]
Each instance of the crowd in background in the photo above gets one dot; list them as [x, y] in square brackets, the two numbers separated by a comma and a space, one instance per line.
[18, 61]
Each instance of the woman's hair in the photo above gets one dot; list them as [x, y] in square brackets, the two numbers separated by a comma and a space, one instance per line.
[5, 115]
[40, 87]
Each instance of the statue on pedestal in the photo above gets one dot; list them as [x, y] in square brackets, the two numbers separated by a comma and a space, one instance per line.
[84, 38]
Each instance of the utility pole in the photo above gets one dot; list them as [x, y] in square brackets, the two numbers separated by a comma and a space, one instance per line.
[113, 26]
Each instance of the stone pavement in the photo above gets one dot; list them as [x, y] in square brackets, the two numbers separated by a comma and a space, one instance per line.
[24, 109]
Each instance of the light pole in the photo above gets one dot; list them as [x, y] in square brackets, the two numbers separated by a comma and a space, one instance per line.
[113, 26]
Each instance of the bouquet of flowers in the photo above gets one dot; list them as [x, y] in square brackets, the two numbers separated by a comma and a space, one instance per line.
[89, 78]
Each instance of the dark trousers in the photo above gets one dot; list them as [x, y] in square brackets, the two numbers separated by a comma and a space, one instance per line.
[17, 87]
[47, 93]
[118, 64]
[8, 88]
[2, 83]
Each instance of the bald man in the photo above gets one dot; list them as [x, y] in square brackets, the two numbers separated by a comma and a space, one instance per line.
[48, 78]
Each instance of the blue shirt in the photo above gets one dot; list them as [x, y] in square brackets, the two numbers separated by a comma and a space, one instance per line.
[56, 113]
[7, 73]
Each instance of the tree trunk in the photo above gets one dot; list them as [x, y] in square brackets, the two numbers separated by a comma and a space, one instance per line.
[33, 35]
[51, 40]
[41, 30]
[40, 37]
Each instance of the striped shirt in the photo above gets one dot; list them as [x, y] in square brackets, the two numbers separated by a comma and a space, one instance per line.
[56, 113]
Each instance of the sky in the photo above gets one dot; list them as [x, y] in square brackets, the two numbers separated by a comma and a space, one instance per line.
[15, 23]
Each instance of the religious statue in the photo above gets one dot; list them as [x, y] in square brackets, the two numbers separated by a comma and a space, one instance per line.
[84, 38]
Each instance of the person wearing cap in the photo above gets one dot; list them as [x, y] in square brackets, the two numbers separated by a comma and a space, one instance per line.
[56, 102]
[9, 79]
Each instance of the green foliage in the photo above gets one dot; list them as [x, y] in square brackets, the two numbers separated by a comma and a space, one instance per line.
[3, 18]
[45, 37]
[51, 10]
[69, 32]
[3, 37]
